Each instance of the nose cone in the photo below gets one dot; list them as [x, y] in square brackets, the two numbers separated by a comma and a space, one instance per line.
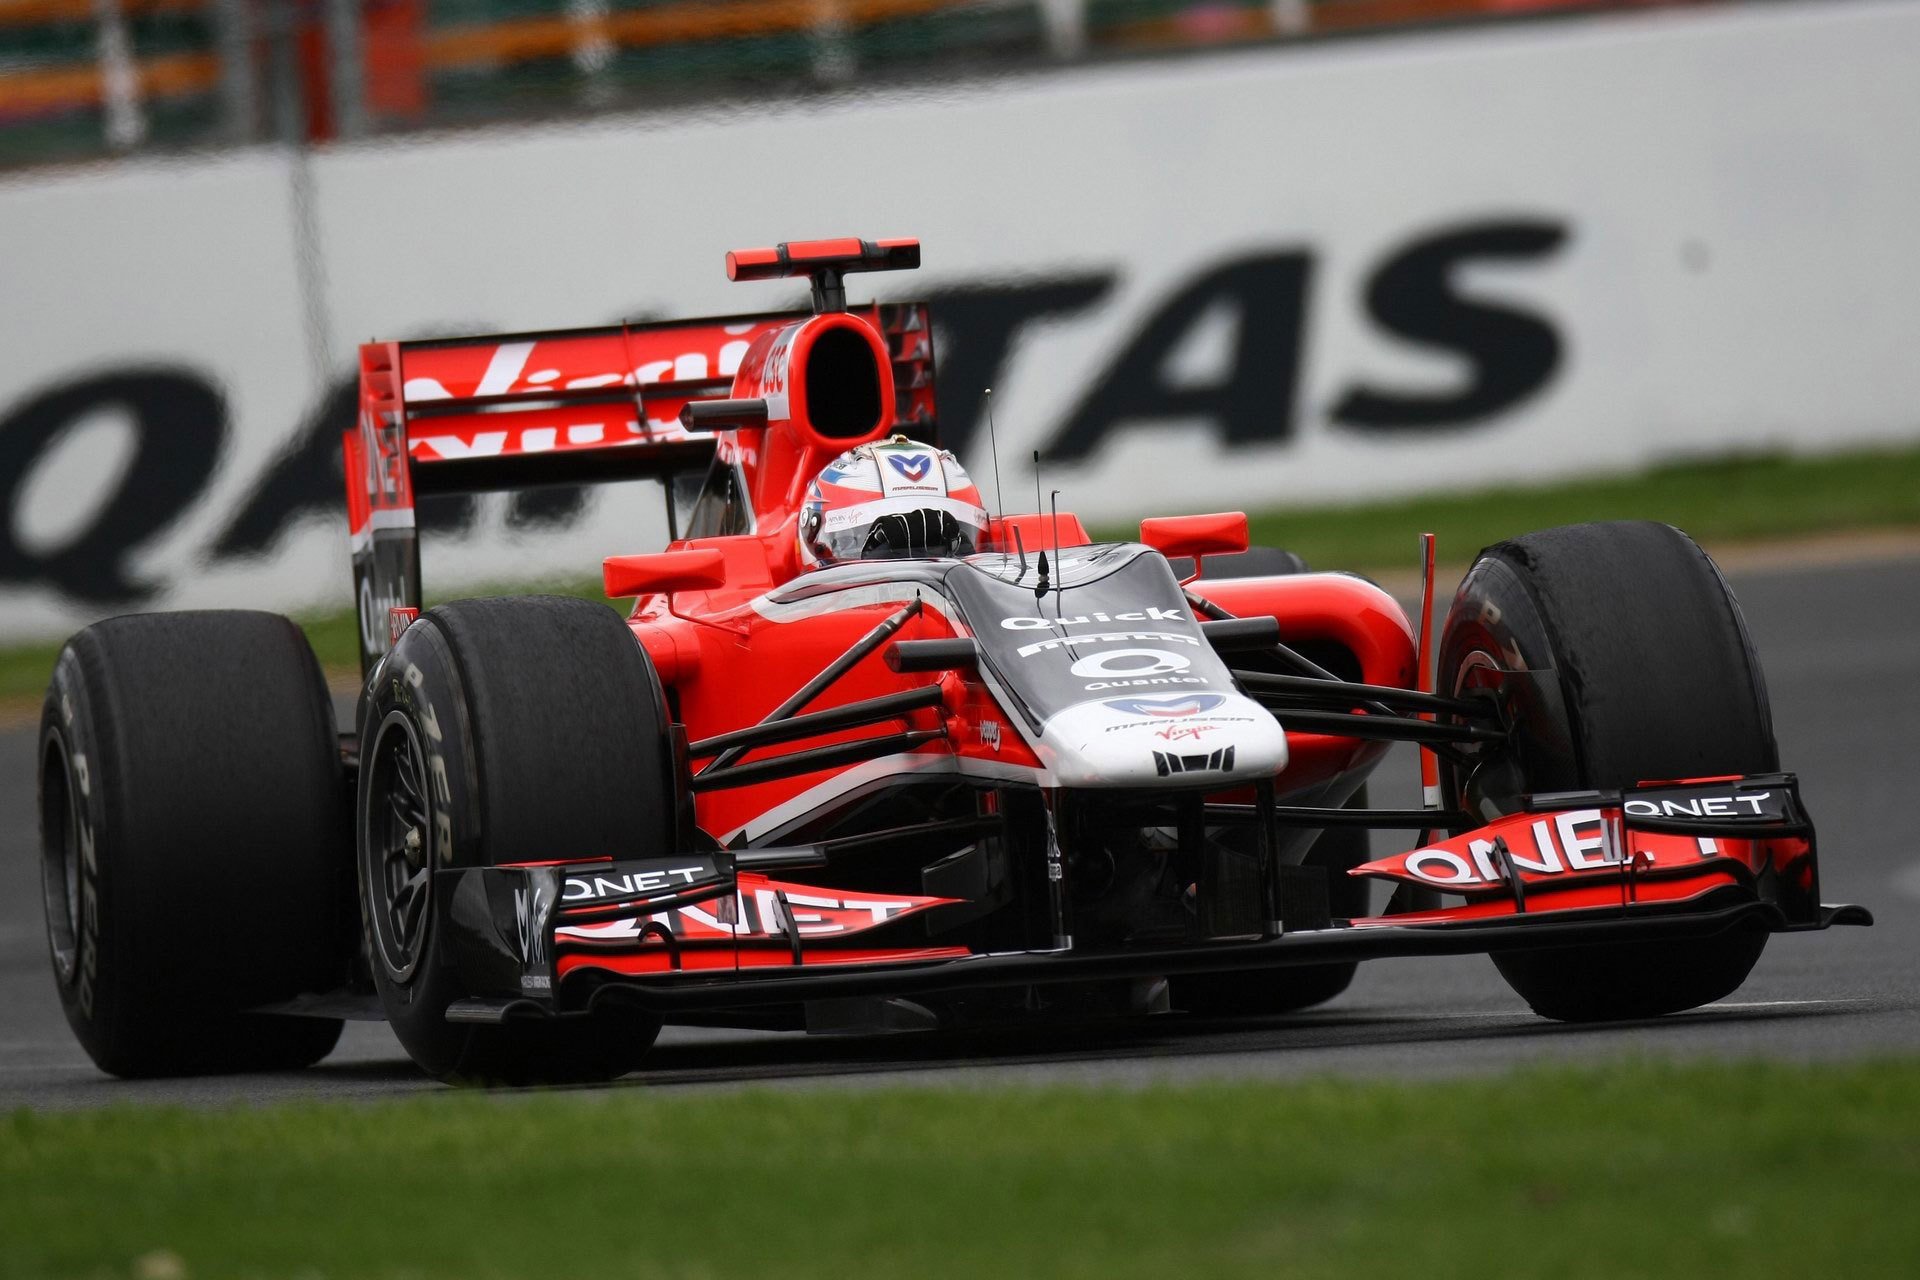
[1180, 740]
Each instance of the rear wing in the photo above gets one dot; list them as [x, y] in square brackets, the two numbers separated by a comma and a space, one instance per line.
[567, 407]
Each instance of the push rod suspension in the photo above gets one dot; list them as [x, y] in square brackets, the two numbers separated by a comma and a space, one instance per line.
[1299, 661]
[833, 671]
[714, 778]
[889, 706]
[1345, 691]
[1384, 728]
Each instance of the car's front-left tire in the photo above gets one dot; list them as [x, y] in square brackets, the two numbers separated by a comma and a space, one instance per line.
[1645, 671]
[523, 729]
[195, 855]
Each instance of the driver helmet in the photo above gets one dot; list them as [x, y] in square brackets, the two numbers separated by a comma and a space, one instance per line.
[895, 499]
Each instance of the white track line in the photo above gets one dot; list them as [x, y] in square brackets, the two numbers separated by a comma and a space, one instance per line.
[1523, 1015]
[1769, 1004]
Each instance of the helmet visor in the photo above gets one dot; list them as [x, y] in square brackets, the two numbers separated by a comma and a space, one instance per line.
[901, 528]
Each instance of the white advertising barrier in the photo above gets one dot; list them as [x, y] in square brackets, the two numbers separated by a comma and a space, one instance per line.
[1261, 278]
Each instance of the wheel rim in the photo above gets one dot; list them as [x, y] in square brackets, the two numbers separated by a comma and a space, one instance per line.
[60, 858]
[397, 852]
[1469, 791]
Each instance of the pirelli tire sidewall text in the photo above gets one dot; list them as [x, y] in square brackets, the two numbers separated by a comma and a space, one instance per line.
[72, 819]
[420, 681]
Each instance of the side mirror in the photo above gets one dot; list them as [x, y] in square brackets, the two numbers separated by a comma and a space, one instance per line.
[1196, 536]
[960, 653]
[664, 571]
[723, 415]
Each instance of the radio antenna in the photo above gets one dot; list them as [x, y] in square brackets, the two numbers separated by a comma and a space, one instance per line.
[1040, 590]
[993, 447]
[1061, 589]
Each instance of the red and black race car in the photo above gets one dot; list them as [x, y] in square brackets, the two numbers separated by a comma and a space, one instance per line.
[843, 775]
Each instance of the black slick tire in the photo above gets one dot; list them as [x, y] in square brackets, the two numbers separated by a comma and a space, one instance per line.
[1653, 676]
[533, 729]
[195, 854]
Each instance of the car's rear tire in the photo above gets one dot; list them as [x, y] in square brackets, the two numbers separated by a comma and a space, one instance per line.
[510, 730]
[194, 843]
[1249, 993]
[1654, 677]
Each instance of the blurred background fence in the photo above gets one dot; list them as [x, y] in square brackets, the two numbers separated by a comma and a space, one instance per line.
[1206, 256]
[86, 78]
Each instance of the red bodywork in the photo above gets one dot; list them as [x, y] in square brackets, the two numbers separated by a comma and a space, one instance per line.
[607, 404]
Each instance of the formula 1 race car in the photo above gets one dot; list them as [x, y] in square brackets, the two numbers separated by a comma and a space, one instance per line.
[864, 757]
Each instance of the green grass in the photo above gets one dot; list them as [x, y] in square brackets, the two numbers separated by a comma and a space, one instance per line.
[24, 672]
[1728, 500]
[25, 669]
[1632, 1170]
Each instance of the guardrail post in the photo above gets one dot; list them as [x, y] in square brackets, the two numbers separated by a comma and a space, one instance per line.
[239, 86]
[833, 59]
[287, 107]
[1066, 24]
[1290, 17]
[346, 47]
[593, 49]
[126, 123]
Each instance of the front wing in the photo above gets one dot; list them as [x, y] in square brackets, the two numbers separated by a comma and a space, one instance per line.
[711, 931]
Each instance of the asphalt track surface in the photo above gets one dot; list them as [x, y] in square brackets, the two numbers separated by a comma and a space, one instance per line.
[1841, 646]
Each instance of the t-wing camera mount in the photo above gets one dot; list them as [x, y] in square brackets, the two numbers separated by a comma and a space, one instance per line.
[826, 262]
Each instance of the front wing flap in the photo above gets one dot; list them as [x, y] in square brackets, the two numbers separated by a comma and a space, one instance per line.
[1658, 842]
